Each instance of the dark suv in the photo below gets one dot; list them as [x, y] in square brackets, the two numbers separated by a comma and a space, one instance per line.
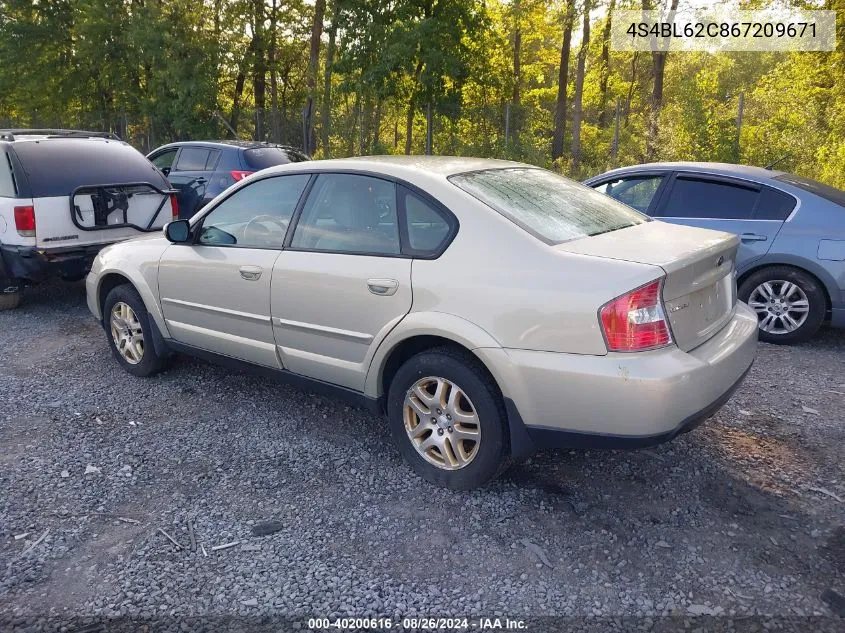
[200, 170]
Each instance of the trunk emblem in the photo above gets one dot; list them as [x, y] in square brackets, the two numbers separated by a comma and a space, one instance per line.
[679, 307]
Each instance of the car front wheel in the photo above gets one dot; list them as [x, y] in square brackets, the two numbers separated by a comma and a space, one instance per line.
[127, 325]
[447, 418]
[789, 303]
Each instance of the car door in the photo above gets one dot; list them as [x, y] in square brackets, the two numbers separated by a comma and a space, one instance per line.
[640, 190]
[215, 289]
[342, 283]
[190, 175]
[753, 211]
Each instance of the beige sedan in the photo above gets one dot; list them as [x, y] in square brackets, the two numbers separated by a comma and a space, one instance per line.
[489, 308]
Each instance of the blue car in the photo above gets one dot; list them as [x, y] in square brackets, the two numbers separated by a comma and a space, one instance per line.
[200, 170]
[791, 259]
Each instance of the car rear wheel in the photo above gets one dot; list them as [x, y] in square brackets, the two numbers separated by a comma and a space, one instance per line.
[10, 300]
[127, 325]
[789, 303]
[448, 419]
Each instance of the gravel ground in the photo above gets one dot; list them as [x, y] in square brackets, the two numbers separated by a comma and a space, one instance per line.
[744, 517]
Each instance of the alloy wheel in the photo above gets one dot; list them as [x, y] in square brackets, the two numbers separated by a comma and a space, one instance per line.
[126, 333]
[442, 423]
[781, 306]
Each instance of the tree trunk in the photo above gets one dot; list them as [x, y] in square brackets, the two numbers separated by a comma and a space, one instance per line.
[274, 85]
[327, 82]
[578, 98]
[631, 86]
[563, 82]
[409, 117]
[376, 128]
[313, 62]
[516, 95]
[605, 64]
[259, 68]
[658, 59]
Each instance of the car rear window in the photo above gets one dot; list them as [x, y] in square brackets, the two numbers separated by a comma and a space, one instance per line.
[56, 167]
[831, 194]
[263, 157]
[550, 207]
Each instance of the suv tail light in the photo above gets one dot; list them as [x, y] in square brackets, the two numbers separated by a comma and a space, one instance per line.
[240, 175]
[174, 206]
[636, 321]
[25, 221]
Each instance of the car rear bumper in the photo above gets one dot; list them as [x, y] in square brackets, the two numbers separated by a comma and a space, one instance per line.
[30, 264]
[624, 400]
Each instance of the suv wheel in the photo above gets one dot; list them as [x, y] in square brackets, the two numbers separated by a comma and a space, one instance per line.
[127, 326]
[10, 300]
[790, 305]
[448, 419]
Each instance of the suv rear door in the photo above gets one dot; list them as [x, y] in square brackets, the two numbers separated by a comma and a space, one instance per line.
[753, 211]
[190, 174]
[90, 191]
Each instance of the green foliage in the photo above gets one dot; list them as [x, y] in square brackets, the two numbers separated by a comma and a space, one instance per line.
[157, 70]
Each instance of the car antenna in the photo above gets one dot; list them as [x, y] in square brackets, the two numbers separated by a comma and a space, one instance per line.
[779, 160]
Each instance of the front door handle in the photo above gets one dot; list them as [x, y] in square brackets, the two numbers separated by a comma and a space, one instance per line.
[251, 273]
[752, 237]
[383, 287]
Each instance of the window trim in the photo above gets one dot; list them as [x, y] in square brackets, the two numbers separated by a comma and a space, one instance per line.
[196, 228]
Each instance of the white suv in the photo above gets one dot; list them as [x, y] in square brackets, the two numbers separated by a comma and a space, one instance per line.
[64, 194]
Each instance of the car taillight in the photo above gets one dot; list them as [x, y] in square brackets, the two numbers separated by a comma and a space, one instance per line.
[240, 175]
[636, 321]
[25, 221]
[174, 206]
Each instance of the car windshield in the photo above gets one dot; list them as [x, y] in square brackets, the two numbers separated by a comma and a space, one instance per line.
[263, 157]
[550, 207]
[836, 196]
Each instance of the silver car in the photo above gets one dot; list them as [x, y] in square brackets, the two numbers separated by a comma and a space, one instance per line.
[489, 308]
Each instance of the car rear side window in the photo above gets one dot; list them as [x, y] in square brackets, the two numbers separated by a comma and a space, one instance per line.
[774, 205]
[263, 157]
[7, 180]
[428, 229]
[348, 213]
[193, 159]
[550, 207]
[702, 198]
[56, 167]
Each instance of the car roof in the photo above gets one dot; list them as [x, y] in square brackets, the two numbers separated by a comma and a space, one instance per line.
[403, 165]
[719, 169]
[225, 143]
[17, 135]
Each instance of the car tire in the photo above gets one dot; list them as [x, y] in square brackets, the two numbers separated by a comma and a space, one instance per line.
[764, 292]
[443, 453]
[124, 317]
[10, 300]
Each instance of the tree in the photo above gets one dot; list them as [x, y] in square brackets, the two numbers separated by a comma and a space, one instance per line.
[563, 81]
[578, 98]
[313, 62]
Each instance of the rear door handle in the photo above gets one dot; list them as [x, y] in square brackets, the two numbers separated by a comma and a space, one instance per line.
[251, 273]
[383, 287]
[753, 237]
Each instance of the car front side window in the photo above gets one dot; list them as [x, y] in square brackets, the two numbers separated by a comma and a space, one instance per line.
[635, 191]
[256, 216]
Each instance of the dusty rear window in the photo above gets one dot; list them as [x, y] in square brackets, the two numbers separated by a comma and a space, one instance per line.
[550, 207]
[56, 167]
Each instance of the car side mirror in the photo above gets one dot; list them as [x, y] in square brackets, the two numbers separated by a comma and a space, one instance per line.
[165, 171]
[177, 231]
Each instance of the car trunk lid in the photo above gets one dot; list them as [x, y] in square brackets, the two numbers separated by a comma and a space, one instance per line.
[699, 291]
